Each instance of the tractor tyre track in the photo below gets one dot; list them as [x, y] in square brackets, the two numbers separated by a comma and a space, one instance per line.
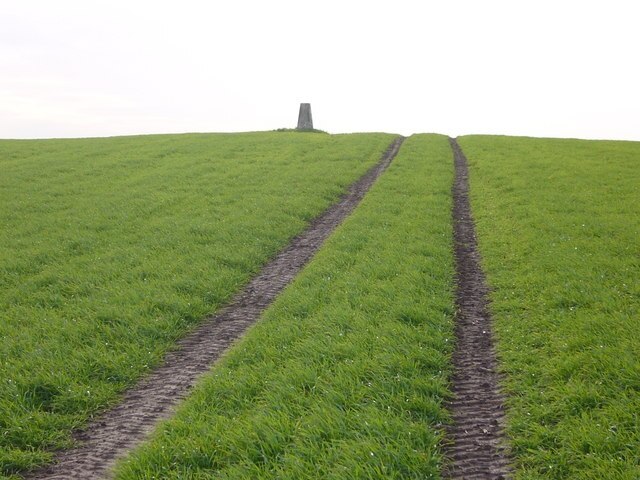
[126, 425]
[478, 447]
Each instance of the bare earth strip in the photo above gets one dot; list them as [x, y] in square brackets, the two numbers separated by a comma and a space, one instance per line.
[477, 407]
[126, 425]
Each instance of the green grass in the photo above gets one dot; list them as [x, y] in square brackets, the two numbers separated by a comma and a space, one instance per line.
[114, 248]
[345, 374]
[559, 227]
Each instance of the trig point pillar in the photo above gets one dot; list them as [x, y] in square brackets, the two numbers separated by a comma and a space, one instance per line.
[305, 122]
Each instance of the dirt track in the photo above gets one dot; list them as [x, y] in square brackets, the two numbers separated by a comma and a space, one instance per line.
[477, 409]
[126, 425]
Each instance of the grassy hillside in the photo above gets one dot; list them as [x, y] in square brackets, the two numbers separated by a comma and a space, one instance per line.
[559, 230]
[113, 248]
[345, 375]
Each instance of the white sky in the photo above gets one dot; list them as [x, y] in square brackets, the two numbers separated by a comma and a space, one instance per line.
[540, 68]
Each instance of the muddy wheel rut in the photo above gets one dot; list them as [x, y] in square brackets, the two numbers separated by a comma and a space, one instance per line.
[126, 425]
[477, 449]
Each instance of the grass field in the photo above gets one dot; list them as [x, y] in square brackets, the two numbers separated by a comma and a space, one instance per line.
[113, 248]
[345, 375]
[559, 227]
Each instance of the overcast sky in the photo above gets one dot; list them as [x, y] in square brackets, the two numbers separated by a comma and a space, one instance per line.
[539, 68]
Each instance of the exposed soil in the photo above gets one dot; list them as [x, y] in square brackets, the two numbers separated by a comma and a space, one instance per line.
[118, 430]
[477, 450]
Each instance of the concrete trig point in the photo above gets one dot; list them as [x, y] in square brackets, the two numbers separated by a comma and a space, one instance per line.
[305, 122]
